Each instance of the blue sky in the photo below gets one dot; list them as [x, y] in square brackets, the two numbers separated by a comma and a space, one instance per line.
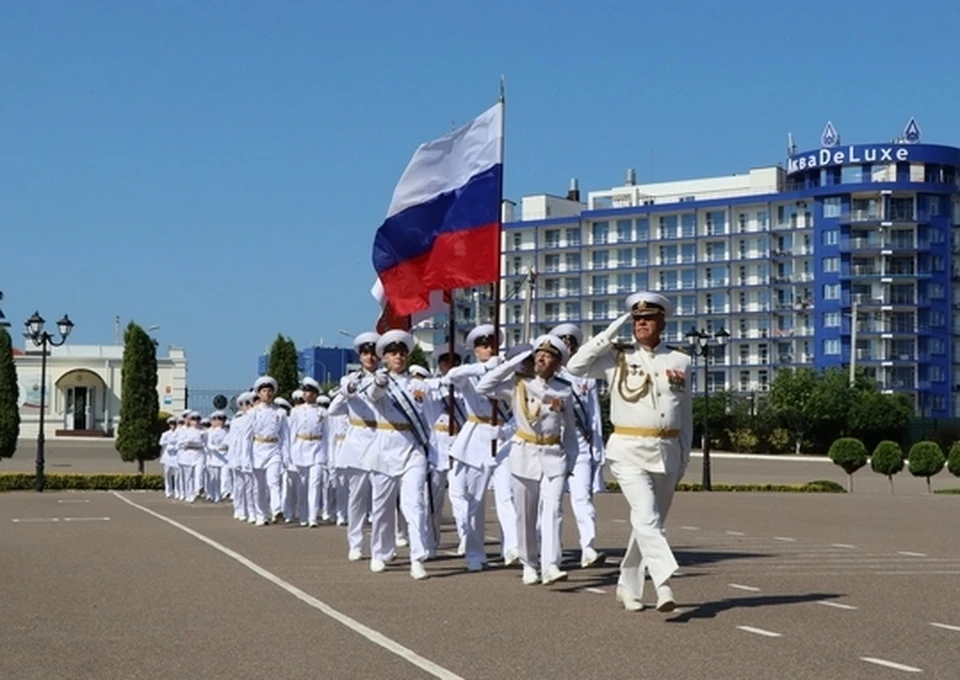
[219, 169]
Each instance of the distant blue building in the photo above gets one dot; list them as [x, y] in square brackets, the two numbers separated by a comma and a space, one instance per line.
[323, 364]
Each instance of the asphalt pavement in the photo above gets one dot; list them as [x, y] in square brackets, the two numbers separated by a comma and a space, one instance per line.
[132, 585]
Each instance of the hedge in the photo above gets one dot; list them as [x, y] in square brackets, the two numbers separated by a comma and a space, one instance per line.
[78, 482]
[819, 486]
[948, 492]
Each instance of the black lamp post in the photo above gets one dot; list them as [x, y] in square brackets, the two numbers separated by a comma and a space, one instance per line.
[700, 346]
[43, 339]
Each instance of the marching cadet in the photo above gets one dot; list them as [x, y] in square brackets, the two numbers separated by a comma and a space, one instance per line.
[328, 485]
[542, 453]
[335, 501]
[472, 454]
[308, 452]
[353, 402]
[168, 457]
[178, 491]
[238, 457]
[269, 451]
[397, 460]
[192, 442]
[652, 412]
[586, 412]
[217, 448]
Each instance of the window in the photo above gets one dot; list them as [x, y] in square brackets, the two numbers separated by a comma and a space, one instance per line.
[518, 265]
[936, 346]
[688, 225]
[744, 353]
[551, 263]
[517, 241]
[688, 252]
[668, 280]
[688, 304]
[716, 223]
[832, 206]
[831, 237]
[599, 285]
[571, 310]
[600, 259]
[572, 286]
[763, 353]
[625, 257]
[831, 265]
[935, 291]
[600, 232]
[641, 256]
[741, 223]
[643, 229]
[831, 291]
[600, 309]
[624, 230]
[552, 311]
[742, 301]
[763, 220]
[689, 278]
[742, 273]
[744, 381]
[831, 347]
[831, 320]
[668, 226]
[573, 237]
[668, 254]
[763, 379]
[936, 373]
[625, 283]
[572, 260]
[551, 238]
[551, 287]
[642, 281]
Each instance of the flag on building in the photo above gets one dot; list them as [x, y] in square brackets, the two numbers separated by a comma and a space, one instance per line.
[442, 230]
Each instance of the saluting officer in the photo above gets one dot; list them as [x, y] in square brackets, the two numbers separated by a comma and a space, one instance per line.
[652, 415]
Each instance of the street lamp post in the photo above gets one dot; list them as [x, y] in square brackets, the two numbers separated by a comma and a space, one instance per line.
[701, 346]
[43, 340]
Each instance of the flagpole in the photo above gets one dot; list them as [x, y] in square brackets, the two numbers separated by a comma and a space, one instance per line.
[496, 285]
[451, 352]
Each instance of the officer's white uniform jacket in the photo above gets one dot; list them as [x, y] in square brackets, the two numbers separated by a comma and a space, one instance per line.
[586, 412]
[238, 454]
[217, 446]
[652, 414]
[402, 437]
[544, 438]
[436, 409]
[268, 440]
[192, 442]
[308, 436]
[360, 413]
[168, 448]
[472, 445]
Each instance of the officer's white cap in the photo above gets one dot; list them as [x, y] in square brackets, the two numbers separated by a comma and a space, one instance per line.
[368, 338]
[264, 381]
[570, 329]
[484, 330]
[393, 337]
[648, 304]
[552, 344]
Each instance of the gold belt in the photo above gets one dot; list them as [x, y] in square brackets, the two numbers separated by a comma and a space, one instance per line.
[479, 419]
[659, 432]
[265, 440]
[541, 439]
[309, 437]
[377, 425]
[445, 429]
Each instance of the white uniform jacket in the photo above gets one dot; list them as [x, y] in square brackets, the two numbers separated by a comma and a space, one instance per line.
[473, 444]
[402, 437]
[307, 436]
[268, 440]
[650, 400]
[586, 413]
[544, 438]
[192, 442]
[359, 412]
[217, 447]
[436, 409]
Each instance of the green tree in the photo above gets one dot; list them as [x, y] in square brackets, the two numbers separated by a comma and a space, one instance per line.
[9, 396]
[953, 460]
[875, 417]
[887, 459]
[925, 460]
[715, 406]
[850, 454]
[282, 366]
[137, 438]
[792, 397]
[418, 358]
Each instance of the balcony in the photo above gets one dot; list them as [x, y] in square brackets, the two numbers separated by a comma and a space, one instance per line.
[875, 243]
[896, 215]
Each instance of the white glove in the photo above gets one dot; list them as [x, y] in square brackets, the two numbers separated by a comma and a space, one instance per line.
[353, 385]
[493, 362]
[380, 377]
[611, 331]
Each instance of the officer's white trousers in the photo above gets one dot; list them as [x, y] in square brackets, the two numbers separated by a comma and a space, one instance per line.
[437, 486]
[581, 500]
[471, 485]
[503, 495]
[308, 483]
[383, 514]
[649, 495]
[267, 481]
[358, 499]
[211, 486]
[539, 502]
[188, 481]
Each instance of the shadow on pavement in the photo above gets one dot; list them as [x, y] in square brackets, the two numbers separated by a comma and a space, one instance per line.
[709, 610]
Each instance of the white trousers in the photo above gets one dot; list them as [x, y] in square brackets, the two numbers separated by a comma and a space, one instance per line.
[502, 482]
[289, 488]
[581, 500]
[211, 487]
[649, 495]
[458, 503]
[170, 480]
[358, 500]
[539, 502]
[188, 480]
[241, 510]
[343, 495]
[383, 514]
[226, 481]
[330, 495]
[267, 483]
[308, 486]
[470, 484]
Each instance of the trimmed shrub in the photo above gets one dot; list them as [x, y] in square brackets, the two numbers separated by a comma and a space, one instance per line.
[953, 460]
[887, 459]
[850, 454]
[743, 440]
[780, 440]
[926, 459]
[819, 486]
[81, 482]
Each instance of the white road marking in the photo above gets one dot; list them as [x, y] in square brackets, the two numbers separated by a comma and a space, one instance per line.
[86, 519]
[891, 664]
[911, 554]
[619, 521]
[759, 631]
[370, 634]
[785, 539]
[691, 528]
[598, 591]
[741, 587]
[35, 520]
[70, 501]
[838, 605]
[946, 626]
[844, 545]
[736, 533]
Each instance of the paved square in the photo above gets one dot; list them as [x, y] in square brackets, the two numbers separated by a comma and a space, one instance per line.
[771, 586]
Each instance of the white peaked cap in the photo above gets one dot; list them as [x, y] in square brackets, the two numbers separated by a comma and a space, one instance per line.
[552, 344]
[392, 337]
[368, 338]
[571, 329]
[484, 330]
[263, 381]
[648, 304]
[311, 383]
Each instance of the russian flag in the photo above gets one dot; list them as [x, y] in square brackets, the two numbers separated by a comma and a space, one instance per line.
[389, 319]
[442, 229]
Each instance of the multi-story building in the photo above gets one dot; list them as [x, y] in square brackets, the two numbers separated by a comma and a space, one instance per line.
[323, 364]
[842, 255]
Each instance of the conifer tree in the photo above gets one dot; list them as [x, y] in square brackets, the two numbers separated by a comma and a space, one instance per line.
[139, 402]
